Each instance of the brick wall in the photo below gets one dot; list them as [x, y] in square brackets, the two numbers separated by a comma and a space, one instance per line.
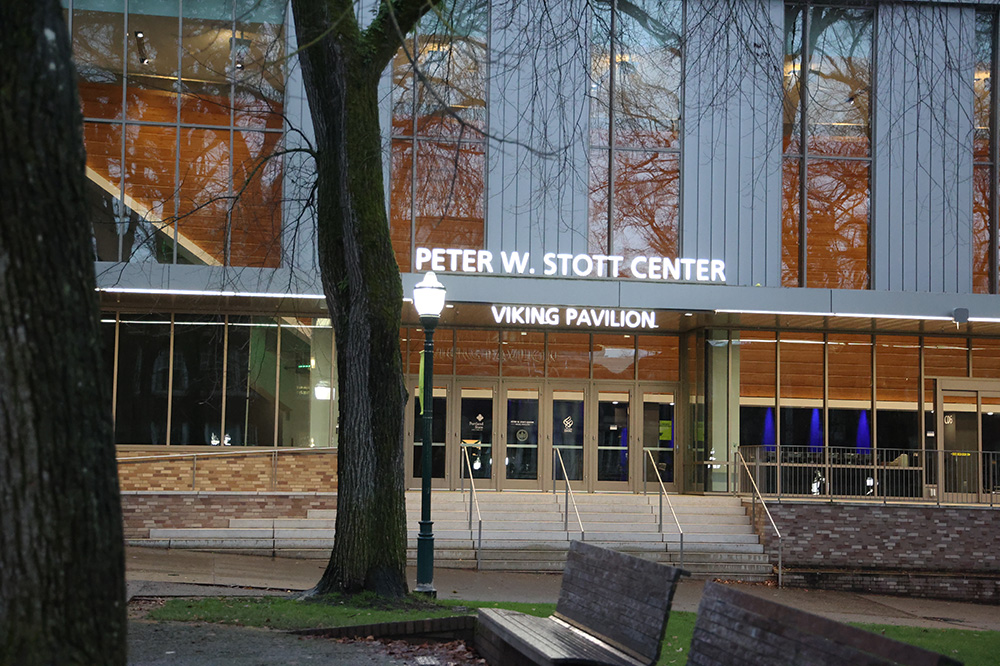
[943, 552]
[300, 471]
[144, 510]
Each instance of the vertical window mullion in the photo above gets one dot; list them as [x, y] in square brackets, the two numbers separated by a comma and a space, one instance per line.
[804, 63]
[277, 383]
[170, 379]
[225, 372]
[994, 205]
[612, 81]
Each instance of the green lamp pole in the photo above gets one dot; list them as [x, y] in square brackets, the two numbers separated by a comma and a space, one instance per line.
[428, 299]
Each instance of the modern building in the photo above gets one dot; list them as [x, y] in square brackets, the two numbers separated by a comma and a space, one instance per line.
[670, 231]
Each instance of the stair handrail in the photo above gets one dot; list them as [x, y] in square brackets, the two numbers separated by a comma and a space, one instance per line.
[756, 495]
[473, 501]
[569, 497]
[269, 451]
[670, 505]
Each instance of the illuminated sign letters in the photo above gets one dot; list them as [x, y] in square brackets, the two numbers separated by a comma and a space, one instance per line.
[680, 269]
[537, 315]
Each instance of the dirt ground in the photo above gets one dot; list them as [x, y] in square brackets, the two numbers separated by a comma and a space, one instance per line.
[200, 644]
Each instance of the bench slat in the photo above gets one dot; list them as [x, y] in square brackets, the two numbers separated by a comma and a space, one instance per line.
[612, 609]
[544, 641]
[735, 628]
[622, 599]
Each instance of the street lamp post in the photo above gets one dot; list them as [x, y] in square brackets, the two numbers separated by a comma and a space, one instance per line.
[428, 299]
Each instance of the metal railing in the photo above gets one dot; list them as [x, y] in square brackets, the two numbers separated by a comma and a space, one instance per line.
[663, 493]
[757, 496]
[853, 473]
[569, 497]
[273, 453]
[473, 502]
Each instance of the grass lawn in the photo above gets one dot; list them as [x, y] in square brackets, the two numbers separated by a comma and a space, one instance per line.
[972, 647]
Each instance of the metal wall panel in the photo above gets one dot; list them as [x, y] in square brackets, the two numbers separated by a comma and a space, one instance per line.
[731, 159]
[922, 143]
[538, 114]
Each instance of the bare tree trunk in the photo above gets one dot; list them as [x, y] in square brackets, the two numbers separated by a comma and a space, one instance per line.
[364, 293]
[62, 588]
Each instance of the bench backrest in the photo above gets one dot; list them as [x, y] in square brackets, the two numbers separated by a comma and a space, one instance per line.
[623, 600]
[735, 628]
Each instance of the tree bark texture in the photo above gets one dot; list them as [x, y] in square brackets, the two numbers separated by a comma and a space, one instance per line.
[62, 587]
[341, 68]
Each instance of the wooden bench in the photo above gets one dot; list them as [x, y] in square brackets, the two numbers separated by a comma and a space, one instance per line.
[735, 628]
[612, 609]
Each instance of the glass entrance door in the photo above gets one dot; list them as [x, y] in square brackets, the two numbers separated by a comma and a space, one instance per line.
[965, 466]
[568, 437]
[476, 418]
[658, 439]
[960, 443]
[613, 434]
[521, 459]
[441, 473]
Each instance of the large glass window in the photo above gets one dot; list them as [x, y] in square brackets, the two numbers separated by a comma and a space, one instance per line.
[826, 144]
[438, 149]
[984, 229]
[222, 381]
[164, 87]
[758, 365]
[196, 415]
[143, 380]
[635, 70]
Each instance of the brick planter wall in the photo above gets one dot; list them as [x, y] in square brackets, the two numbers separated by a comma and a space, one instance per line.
[924, 551]
[144, 510]
[301, 471]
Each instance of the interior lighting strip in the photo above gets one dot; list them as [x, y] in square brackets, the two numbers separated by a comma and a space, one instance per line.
[197, 292]
[858, 315]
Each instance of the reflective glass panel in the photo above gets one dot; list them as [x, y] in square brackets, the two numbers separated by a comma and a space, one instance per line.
[658, 436]
[207, 41]
[98, 47]
[476, 431]
[522, 434]
[837, 237]
[568, 434]
[439, 426]
[152, 61]
[143, 379]
[401, 201]
[791, 216]
[614, 356]
[150, 194]
[203, 196]
[251, 381]
[659, 358]
[451, 96]
[839, 80]
[255, 238]
[449, 195]
[477, 353]
[612, 436]
[522, 353]
[256, 61]
[196, 412]
[112, 222]
[569, 355]
[648, 74]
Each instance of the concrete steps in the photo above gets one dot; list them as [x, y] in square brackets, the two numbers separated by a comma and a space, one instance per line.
[521, 531]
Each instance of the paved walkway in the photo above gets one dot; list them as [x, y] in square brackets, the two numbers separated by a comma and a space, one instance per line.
[158, 572]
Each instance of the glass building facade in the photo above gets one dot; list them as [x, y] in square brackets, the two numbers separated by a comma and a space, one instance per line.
[798, 198]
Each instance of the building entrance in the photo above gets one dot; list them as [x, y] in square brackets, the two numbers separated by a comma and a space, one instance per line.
[966, 464]
[531, 435]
